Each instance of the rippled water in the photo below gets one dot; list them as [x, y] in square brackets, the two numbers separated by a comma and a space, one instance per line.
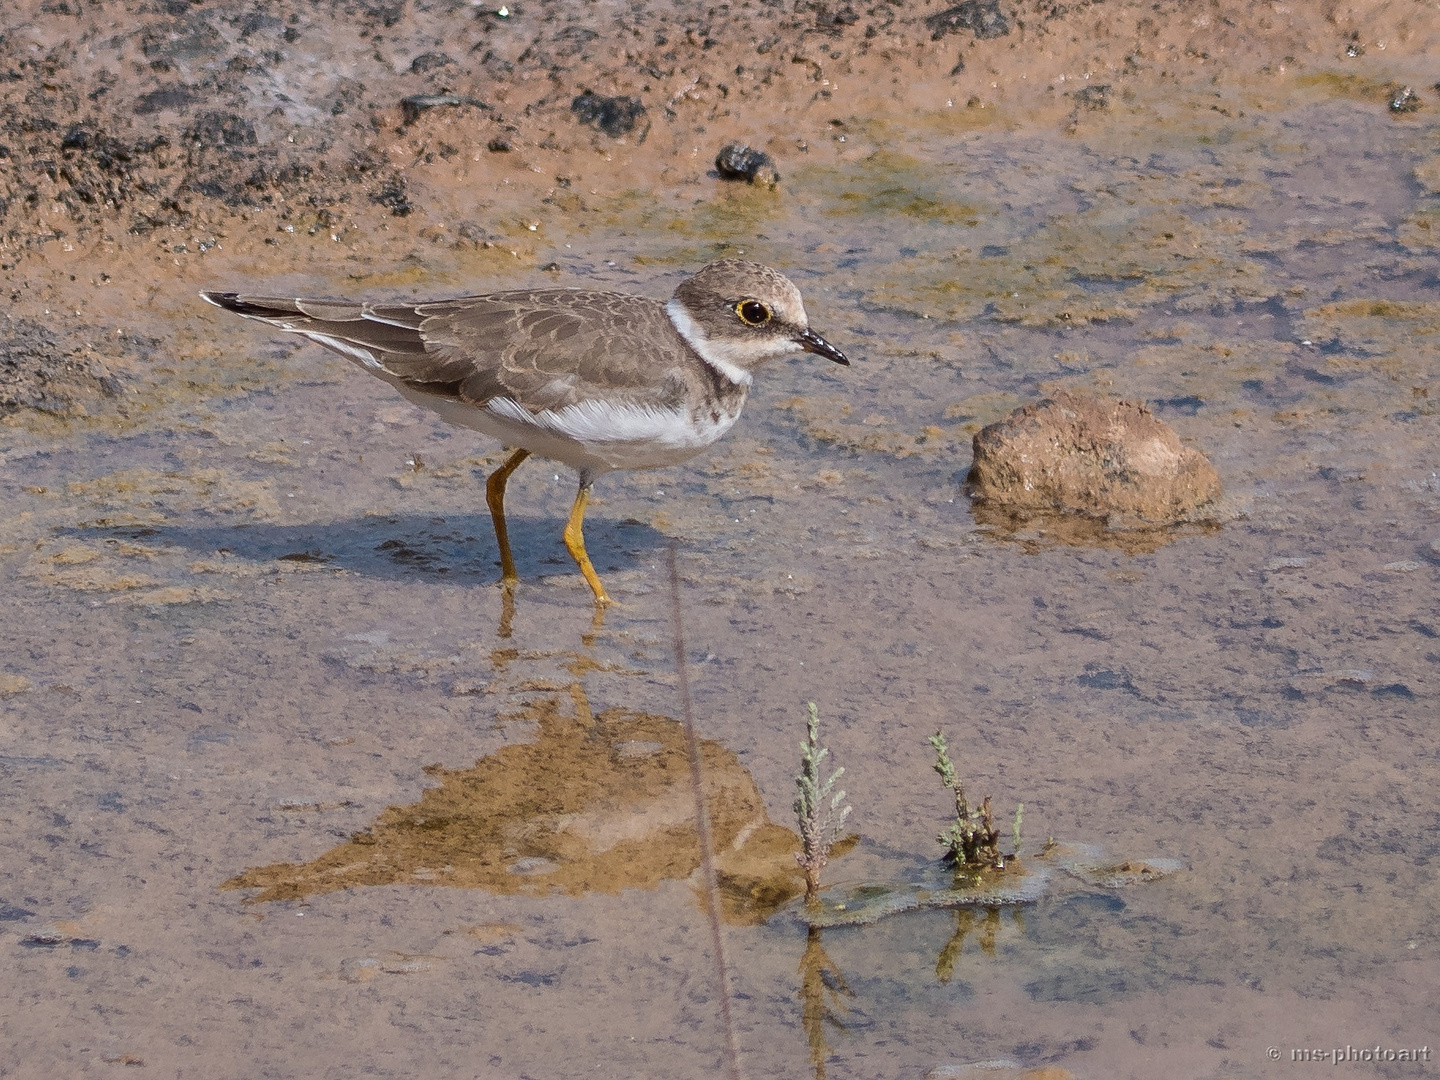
[254, 640]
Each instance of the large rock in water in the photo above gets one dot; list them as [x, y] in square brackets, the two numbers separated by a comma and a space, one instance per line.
[1100, 457]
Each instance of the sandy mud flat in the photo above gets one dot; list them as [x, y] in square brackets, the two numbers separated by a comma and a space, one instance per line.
[287, 790]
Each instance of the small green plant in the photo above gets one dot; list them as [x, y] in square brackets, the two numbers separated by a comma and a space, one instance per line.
[817, 806]
[971, 841]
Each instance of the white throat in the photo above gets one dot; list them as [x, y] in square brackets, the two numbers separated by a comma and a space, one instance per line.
[720, 355]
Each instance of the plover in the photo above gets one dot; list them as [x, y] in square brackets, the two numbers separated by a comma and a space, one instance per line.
[596, 380]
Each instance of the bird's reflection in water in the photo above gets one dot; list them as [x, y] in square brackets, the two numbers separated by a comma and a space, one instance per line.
[597, 802]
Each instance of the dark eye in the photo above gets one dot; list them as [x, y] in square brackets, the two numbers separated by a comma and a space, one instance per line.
[752, 312]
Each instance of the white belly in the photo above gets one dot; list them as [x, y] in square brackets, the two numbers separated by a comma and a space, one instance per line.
[594, 436]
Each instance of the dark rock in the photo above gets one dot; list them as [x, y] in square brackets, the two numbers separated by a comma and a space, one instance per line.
[429, 62]
[44, 940]
[1098, 678]
[499, 145]
[826, 19]
[1399, 690]
[394, 198]
[570, 41]
[185, 39]
[217, 130]
[256, 21]
[614, 116]
[78, 137]
[388, 13]
[1404, 100]
[472, 233]
[167, 98]
[412, 106]
[1093, 97]
[983, 18]
[736, 161]
[1091, 456]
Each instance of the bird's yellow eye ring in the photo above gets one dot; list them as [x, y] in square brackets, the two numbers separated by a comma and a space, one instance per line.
[752, 312]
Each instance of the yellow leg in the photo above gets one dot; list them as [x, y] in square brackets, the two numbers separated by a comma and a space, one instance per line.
[575, 543]
[495, 498]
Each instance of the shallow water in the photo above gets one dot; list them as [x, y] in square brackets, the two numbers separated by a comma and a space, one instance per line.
[248, 623]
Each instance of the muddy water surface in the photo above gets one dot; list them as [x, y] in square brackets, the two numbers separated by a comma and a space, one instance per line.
[254, 639]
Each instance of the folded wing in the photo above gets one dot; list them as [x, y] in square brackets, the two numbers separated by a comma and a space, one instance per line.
[541, 350]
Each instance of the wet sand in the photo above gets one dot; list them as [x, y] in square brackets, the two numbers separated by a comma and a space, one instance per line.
[252, 599]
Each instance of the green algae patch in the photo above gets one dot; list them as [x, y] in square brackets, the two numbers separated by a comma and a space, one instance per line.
[740, 212]
[1419, 233]
[1348, 87]
[1392, 338]
[887, 183]
[1098, 265]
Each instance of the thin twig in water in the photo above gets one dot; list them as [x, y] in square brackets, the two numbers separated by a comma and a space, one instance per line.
[702, 820]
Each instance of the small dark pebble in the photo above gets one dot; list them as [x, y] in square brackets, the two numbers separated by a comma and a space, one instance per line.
[1093, 97]
[826, 19]
[174, 98]
[393, 197]
[412, 106]
[615, 116]
[1104, 679]
[1399, 690]
[473, 233]
[429, 62]
[255, 22]
[218, 130]
[499, 145]
[736, 161]
[43, 941]
[1404, 100]
[983, 18]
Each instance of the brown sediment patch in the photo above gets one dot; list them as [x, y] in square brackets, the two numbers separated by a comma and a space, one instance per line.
[1098, 458]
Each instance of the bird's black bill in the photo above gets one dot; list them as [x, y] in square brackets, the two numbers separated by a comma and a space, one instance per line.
[813, 342]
